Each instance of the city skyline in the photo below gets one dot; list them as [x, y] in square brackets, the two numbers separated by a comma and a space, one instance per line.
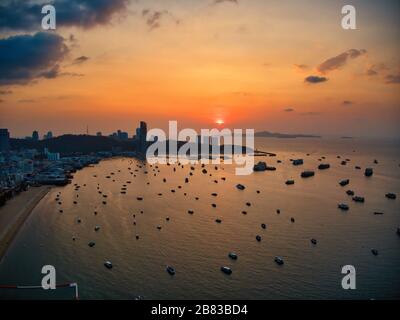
[280, 66]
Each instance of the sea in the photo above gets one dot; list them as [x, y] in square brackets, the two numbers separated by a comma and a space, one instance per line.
[147, 223]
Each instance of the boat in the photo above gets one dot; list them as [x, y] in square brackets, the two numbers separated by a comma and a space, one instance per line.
[91, 244]
[289, 182]
[343, 206]
[170, 270]
[374, 252]
[96, 228]
[391, 196]
[226, 270]
[344, 182]
[358, 199]
[263, 225]
[108, 265]
[279, 260]
[258, 238]
[307, 174]
[233, 256]
[368, 172]
[240, 186]
[314, 241]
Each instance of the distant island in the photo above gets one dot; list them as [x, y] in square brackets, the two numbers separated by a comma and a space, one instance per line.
[267, 134]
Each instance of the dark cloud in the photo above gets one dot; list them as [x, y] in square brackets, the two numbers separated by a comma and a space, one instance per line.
[288, 110]
[315, 79]
[24, 58]
[26, 15]
[340, 60]
[347, 102]
[80, 60]
[393, 78]
[154, 17]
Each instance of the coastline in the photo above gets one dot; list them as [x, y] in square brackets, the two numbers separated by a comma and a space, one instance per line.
[15, 212]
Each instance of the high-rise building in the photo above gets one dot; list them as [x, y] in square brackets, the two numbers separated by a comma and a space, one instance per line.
[4, 140]
[35, 136]
[49, 135]
[142, 138]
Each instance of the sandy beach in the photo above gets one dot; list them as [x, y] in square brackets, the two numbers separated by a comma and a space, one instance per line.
[15, 212]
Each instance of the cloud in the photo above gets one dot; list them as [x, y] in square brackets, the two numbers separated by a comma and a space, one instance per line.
[315, 79]
[222, 1]
[340, 60]
[80, 60]
[288, 110]
[24, 58]
[301, 67]
[392, 78]
[26, 15]
[375, 69]
[311, 113]
[347, 102]
[154, 17]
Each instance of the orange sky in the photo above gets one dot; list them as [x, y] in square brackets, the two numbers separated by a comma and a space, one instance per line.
[234, 62]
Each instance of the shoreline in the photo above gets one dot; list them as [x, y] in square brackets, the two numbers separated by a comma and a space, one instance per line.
[14, 214]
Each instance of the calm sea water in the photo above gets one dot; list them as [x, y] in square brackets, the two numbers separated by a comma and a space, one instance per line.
[196, 246]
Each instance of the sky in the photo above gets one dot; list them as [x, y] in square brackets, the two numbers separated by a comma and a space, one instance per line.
[282, 66]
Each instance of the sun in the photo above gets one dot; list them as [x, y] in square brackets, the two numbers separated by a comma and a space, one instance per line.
[219, 122]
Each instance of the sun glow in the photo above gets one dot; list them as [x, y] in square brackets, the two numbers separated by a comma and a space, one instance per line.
[219, 122]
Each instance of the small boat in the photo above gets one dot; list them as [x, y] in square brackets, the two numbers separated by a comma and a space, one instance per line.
[391, 196]
[108, 265]
[314, 241]
[374, 252]
[344, 182]
[289, 182]
[263, 225]
[91, 244]
[96, 228]
[343, 206]
[358, 199]
[170, 270]
[218, 220]
[258, 238]
[240, 186]
[368, 172]
[159, 227]
[307, 174]
[233, 256]
[350, 192]
[226, 270]
[279, 260]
